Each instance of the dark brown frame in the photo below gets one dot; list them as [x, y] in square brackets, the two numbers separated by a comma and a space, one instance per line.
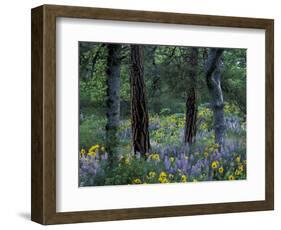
[43, 189]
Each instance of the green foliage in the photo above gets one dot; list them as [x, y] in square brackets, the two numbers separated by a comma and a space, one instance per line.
[92, 83]
[165, 111]
[234, 77]
[166, 129]
[165, 69]
[92, 130]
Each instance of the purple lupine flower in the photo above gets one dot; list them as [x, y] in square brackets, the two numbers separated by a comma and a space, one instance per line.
[95, 164]
[92, 171]
[178, 164]
[85, 167]
[104, 156]
[167, 163]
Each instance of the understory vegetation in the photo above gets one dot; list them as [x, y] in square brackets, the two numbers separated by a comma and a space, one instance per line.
[168, 161]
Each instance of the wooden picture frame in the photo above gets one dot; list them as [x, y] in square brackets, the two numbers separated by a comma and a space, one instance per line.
[43, 208]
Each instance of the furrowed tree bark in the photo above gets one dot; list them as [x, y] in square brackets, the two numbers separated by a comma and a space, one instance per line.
[139, 113]
[191, 104]
[113, 100]
[213, 78]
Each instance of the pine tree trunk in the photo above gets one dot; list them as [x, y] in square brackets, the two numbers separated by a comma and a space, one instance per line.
[139, 113]
[190, 117]
[191, 105]
[113, 100]
[213, 77]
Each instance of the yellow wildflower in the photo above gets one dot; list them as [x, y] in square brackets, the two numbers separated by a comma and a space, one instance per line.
[172, 159]
[83, 151]
[221, 169]
[137, 181]
[231, 177]
[102, 148]
[215, 164]
[94, 148]
[237, 159]
[93, 154]
[163, 180]
[183, 178]
[163, 174]
[155, 157]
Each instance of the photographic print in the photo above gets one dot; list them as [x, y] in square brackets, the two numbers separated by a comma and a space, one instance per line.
[161, 114]
[128, 103]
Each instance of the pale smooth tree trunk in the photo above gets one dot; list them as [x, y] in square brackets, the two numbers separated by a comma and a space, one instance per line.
[213, 78]
[113, 100]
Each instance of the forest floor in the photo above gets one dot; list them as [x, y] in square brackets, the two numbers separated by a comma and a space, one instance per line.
[168, 161]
